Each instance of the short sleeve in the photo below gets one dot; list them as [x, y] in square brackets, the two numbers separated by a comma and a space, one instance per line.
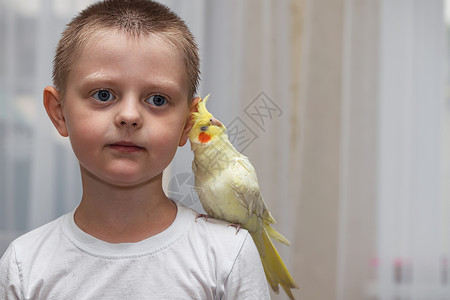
[247, 279]
[9, 275]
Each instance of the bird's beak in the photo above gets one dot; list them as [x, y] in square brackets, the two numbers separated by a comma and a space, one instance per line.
[215, 122]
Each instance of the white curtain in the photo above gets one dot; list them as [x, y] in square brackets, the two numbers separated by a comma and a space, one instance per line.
[413, 237]
[373, 213]
[339, 104]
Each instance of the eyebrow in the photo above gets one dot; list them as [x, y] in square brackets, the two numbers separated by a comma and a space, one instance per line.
[95, 76]
[114, 80]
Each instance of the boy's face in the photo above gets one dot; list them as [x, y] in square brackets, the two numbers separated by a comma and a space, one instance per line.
[125, 107]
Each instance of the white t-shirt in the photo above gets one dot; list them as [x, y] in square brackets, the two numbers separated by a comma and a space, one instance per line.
[188, 260]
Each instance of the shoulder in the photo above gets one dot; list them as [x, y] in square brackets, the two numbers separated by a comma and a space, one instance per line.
[228, 255]
[214, 231]
[37, 242]
[233, 256]
[28, 249]
[35, 237]
[215, 239]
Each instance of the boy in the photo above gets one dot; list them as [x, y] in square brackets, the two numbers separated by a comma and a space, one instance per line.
[124, 73]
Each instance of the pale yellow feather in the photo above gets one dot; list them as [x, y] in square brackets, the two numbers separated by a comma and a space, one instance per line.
[228, 189]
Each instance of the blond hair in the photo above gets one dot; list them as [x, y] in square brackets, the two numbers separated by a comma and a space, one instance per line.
[134, 17]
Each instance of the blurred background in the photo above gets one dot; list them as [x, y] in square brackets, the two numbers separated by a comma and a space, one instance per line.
[343, 106]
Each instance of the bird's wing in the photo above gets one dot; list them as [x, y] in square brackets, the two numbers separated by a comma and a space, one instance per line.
[245, 186]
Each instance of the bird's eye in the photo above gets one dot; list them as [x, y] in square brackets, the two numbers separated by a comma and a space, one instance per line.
[204, 128]
[103, 95]
[156, 100]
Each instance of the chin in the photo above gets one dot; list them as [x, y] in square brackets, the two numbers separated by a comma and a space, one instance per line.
[126, 180]
[123, 177]
[128, 184]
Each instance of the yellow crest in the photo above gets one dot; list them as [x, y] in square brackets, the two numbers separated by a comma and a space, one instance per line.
[205, 127]
[203, 114]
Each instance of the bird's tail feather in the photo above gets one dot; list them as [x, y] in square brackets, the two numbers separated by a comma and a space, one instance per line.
[275, 234]
[274, 267]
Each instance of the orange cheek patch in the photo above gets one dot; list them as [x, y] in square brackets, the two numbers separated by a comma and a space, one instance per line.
[204, 137]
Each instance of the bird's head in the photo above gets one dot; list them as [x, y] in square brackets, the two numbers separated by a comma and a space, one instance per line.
[205, 127]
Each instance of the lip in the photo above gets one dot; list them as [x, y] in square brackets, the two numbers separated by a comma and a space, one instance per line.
[125, 146]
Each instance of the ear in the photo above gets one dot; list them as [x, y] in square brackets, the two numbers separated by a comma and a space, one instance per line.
[189, 122]
[53, 106]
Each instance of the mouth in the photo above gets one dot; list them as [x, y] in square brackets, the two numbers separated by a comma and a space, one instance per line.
[215, 122]
[125, 146]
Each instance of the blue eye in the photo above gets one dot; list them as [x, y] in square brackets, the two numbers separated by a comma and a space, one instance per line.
[103, 95]
[156, 100]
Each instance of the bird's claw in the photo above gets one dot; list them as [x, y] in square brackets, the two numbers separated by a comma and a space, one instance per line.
[235, 225]
[201, 216]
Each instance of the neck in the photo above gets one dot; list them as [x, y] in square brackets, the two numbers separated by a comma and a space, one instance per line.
[205, 152]
[123, 214]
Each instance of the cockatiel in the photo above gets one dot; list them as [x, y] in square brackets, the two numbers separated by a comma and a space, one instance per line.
[228, 189]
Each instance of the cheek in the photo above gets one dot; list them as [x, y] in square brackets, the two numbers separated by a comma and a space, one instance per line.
[167, 136]
[84, 131]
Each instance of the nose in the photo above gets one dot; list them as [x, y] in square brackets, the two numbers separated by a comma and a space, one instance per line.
[129, 115]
